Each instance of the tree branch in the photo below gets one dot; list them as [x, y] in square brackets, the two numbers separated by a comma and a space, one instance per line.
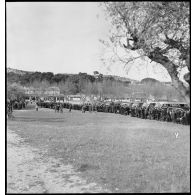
[175, 44]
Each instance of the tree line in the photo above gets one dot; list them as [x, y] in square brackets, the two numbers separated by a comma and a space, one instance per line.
[29, 78]
[87, 84]
[67, 83]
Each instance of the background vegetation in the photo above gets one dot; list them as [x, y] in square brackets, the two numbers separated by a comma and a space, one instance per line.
[98, 85]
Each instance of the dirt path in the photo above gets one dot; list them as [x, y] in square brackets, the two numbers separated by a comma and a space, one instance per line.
[30, 171]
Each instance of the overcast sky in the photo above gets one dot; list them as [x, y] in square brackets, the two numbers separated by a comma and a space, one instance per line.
[63, 37]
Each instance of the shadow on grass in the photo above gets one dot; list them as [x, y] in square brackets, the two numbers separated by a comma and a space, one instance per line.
[85, 167]
[25, 119]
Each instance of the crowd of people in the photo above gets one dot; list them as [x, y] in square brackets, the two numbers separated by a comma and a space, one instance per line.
[170, 112]
[162, 111]
[166, 111]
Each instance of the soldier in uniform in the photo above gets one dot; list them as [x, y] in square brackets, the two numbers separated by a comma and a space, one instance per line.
[157, 117]
[58, 107]
[55, 107]
[70, 107]
[83, 108]
[90, 107]
[127, 110]
[173, 116]
[168, 118]
[115, 108]
[95, 107]
[143, 112]
[61, 108]
[146, 112]
[36, 106]
[163, 114]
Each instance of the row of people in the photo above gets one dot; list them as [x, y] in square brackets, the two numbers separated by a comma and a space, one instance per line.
[169, 114]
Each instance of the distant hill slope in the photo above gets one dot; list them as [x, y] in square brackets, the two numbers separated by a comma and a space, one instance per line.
[16, 71]
[123, 79]
[117, 78]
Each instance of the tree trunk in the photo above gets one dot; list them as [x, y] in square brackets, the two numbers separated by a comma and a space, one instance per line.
[184, 91]
[172, 70]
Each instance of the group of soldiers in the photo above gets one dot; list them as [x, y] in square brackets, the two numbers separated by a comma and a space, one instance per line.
[15, 105]
[58, 108]
[170, 112]
[18, 104]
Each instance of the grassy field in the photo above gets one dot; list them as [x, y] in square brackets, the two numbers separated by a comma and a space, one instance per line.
[121, 153]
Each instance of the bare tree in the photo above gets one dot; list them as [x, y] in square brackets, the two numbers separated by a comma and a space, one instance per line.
[155, 30]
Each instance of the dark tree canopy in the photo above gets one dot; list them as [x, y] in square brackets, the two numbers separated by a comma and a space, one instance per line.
[149, 81]
[158, 30]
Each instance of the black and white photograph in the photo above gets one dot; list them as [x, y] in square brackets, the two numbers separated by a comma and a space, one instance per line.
[98, 97]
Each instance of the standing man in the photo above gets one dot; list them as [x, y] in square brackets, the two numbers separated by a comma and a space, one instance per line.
[61, 108]
[90, 107]
[55, 106]
[83, 108]
[36, 106]
[58, 107]
[70, 107]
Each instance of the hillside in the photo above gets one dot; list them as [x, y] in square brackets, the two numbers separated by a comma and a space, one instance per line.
[16, 71]
[112, 77]
[123, 79]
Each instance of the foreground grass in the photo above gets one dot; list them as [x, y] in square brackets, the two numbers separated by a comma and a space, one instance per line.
[123, 154]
